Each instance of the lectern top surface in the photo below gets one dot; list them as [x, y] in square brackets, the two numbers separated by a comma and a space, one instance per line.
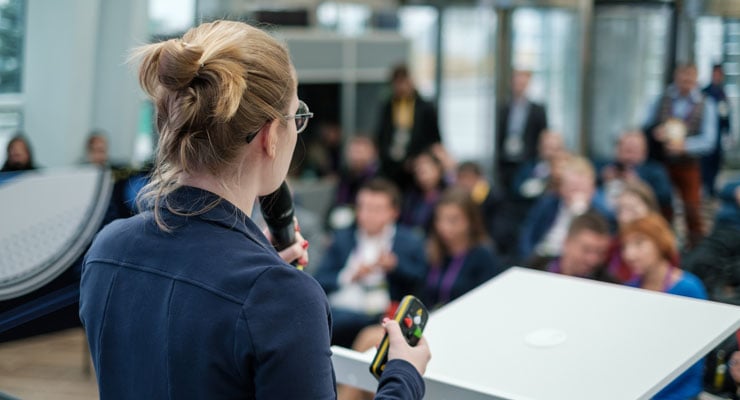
[537, 335]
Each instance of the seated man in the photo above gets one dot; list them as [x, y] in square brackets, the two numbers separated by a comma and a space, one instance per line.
[369, 267]
[546, 225]
[537, 176]
[631, 162]
[585, 249]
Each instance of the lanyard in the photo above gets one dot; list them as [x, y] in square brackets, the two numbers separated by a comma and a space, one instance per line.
[446, 281]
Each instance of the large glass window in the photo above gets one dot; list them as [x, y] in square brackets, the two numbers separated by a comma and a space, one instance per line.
[12, 23]
[467, 93]
[170, 17]
[11, 45]
[718, 42]
[546, 42]
[630, 46]
[418, 24]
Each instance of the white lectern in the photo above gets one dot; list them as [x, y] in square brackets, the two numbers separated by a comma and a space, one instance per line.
[536, 335]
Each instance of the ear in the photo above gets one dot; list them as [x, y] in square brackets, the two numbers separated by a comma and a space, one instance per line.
[269, 137]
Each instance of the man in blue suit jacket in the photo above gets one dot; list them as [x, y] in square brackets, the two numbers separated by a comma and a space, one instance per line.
[370, 267]
[631, 162]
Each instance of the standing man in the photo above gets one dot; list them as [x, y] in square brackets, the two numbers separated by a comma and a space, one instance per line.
[680, 133]
[520, 122]
[712, 162]
[408, 125]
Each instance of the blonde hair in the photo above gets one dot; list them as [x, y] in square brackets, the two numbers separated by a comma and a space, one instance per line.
[579, 165]
[221, 82]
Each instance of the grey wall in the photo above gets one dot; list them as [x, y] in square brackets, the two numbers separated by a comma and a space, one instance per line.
[75, 78]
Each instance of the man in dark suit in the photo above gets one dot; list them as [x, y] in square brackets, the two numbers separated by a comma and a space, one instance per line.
[519, 124]
[408, 125]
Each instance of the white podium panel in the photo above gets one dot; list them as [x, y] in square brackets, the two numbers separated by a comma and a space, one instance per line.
[536, 335]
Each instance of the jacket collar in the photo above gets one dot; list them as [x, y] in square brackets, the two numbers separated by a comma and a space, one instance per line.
[192, 202]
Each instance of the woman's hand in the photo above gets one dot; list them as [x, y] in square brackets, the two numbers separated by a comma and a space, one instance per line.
[297, 252]
[418, 355]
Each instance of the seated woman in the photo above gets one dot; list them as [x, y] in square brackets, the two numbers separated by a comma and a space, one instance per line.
[419, 200]
[459, 252]
[649, 249]
[635, 200]
[460, 256]
[18, 156]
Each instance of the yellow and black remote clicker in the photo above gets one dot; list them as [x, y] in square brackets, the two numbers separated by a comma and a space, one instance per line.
[412, 316]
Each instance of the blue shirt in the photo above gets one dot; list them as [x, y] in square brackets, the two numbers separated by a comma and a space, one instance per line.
[689, 384]
[208, 310]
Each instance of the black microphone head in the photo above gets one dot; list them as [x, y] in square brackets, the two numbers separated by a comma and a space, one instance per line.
[277, 210]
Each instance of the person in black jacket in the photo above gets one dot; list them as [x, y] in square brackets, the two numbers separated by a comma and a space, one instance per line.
[407, 126]
[519, 125]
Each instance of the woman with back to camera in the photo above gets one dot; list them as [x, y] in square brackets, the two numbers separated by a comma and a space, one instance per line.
[649, 249]
[189, 299]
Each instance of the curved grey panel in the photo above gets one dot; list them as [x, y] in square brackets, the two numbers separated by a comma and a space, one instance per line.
[47, 219]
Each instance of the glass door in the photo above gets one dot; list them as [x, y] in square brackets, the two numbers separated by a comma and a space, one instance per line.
[466, 101]
[630, 55]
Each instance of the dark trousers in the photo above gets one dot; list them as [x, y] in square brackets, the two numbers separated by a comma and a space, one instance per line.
[710, 165]
[686, 178]
[347, 324]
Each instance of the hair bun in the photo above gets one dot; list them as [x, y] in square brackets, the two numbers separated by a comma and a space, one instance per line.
[179, 63]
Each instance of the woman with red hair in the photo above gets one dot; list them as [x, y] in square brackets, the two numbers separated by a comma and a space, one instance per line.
[649, 249]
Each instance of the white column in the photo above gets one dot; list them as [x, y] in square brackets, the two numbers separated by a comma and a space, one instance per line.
[122, 25]
[75, 78]
[59, 66]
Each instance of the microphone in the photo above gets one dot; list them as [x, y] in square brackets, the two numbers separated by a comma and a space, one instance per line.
[277, 210]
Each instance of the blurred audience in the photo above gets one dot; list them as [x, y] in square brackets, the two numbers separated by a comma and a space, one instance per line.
[681, 129]
[535, 176]
[636, 200]
[545, 228]
[421, 197]
[716, 259]
[519, 124]
[96, 149]
[361, 165]
[631, 162]
[367, 269]
[585, 249]
[18, 156]
[460, 259]
[711, 162]
[650, 250]
[489, 201]
[407, 126]
[323, 153]
[459, 252]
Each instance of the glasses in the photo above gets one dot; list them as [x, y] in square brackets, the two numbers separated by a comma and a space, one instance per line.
[301, 117]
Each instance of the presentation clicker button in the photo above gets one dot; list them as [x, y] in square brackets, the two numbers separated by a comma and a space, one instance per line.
[407, 321]
[417, 333]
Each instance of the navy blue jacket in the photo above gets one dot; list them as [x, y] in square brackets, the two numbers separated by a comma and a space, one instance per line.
[542, 216]
[208, 311]
[654, 175]
[480, 265]
[407, 278]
